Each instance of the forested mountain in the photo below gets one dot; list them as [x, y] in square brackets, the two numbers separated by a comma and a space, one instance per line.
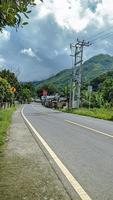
[92, 68]
[96, 66]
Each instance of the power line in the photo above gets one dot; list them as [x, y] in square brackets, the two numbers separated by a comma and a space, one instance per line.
[94, 44]
[100, 33]
[102, 37]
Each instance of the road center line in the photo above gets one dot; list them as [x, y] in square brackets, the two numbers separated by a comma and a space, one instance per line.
[75, 184]
[91, 129]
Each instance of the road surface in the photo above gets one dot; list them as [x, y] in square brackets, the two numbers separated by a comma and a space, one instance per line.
[83, 144]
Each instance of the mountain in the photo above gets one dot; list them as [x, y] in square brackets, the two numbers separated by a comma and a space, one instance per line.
[59, 80]
[91, 69]
[98, 82]
[96, 66]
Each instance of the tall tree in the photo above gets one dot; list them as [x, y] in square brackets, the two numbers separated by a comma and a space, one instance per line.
[11, 79]
[30, 86]
[26, 95]
[51, 89]
[5, 91]
[11, 12]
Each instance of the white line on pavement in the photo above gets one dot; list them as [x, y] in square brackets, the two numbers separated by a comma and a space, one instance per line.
[75, 184]
[91, 129]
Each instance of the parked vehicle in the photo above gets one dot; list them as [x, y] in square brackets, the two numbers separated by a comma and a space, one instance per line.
[54, 101]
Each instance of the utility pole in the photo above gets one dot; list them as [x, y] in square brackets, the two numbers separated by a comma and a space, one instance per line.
[77, 61]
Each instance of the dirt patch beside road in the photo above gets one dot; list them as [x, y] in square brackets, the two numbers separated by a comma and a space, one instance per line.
[25, 173]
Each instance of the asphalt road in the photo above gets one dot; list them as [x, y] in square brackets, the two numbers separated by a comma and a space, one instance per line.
[85, 146]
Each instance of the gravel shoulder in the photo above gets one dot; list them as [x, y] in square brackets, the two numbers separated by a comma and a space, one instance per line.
[25, 173]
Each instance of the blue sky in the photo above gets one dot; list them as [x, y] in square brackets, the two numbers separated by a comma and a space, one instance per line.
[42, 48]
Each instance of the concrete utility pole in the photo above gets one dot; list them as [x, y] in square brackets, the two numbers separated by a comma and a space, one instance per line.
[77, 61]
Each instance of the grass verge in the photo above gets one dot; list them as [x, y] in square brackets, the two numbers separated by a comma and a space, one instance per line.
[5, 120]
[101, 113]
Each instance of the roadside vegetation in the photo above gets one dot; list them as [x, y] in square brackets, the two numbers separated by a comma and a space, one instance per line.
[101, 113]
[11, 90]
[5, 120]
[12, 93]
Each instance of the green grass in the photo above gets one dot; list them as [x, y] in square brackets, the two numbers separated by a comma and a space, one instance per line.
[5, 120]
[101, 113]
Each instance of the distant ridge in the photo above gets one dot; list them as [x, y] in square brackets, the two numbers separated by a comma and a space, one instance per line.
[92, 68]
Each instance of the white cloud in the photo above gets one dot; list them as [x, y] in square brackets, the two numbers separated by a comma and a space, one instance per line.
[104, 12]
[5, 35]
[28, 52]
[68, 13]
[72, 14]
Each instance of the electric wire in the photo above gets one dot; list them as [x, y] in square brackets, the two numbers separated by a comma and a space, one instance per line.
[102, 38]
[99, 34]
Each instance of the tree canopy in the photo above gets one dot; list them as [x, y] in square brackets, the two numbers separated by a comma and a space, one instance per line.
[12, 89]
[11, 12]
[51, 89]
[5, 90]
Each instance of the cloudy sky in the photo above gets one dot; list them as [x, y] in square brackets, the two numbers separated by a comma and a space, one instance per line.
[42, 48]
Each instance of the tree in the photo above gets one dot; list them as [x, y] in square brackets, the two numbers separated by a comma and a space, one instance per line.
[31, 87]
[26, 95]
[51, 89]
[5, 91]
[95, 99]
[107, 90]
[9, 76]
[12, 80]
[21, 91]
[11, 12]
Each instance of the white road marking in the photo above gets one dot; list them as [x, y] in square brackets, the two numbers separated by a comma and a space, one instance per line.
[75, 184]
[91, 129]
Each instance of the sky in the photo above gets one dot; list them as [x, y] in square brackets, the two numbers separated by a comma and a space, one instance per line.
[42, 48]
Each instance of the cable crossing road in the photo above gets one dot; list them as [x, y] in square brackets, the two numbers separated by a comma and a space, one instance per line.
[81, 147]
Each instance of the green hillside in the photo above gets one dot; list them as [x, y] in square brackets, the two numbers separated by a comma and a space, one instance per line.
[92, 68]
[98, 82]
[59, 80]
[96, 66]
